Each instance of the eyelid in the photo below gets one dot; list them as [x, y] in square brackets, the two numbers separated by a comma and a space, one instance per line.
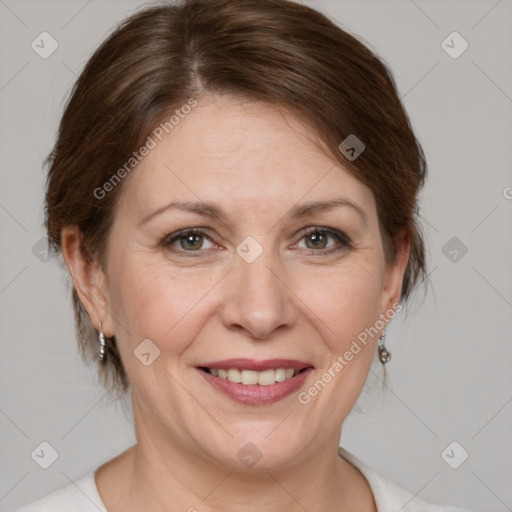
[171, 238]
[338, 235]
[344, 241]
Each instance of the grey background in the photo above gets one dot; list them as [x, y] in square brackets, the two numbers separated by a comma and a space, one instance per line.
[450, 376]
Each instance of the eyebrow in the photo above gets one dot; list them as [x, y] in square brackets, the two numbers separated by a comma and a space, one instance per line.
[215, 212]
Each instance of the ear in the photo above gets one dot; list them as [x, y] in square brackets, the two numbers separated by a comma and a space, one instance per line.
[88, 278]
[395, 274]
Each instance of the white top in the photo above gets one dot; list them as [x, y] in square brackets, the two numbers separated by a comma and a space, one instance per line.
[83, 495]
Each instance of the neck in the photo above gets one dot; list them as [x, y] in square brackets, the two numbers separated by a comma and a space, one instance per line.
[167, 479]
[162, 473]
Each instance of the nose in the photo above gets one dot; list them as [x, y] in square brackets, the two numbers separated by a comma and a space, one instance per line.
[258, 300]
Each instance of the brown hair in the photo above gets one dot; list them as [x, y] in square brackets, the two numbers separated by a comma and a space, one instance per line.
[275, 51]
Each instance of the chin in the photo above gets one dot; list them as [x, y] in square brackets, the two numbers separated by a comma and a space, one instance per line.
[257, 448]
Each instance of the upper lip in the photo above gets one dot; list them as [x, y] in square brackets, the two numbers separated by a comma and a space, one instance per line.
[252, 364]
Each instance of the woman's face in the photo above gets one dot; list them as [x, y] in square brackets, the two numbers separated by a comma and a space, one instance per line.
[265, 278]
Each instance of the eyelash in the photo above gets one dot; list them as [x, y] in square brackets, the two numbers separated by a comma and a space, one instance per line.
[344, 240]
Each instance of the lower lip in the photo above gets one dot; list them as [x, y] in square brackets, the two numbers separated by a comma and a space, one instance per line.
[256, 394]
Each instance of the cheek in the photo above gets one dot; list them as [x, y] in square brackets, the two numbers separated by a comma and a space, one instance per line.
[158, 303]
[344, 308]
[345, 303]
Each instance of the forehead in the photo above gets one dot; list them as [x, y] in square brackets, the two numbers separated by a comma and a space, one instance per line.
[241, 154]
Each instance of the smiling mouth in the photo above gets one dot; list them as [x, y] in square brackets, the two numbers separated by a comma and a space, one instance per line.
[253, 377]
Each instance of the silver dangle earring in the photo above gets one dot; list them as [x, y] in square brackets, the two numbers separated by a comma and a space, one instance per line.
[102, 353]
[384, 355]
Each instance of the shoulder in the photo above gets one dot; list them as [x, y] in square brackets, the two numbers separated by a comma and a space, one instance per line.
[388, 496]
[79, 496]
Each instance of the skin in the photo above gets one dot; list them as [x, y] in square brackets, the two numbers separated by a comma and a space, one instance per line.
[256, 162]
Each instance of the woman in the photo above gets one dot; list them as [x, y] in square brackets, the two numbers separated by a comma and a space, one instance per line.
[234, 192]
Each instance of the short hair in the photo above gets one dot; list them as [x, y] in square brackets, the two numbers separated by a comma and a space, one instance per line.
[274, 51]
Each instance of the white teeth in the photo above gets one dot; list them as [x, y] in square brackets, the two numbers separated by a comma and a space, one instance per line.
[251, 377]
[280, 374]
[234, 375]
[266, 377]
